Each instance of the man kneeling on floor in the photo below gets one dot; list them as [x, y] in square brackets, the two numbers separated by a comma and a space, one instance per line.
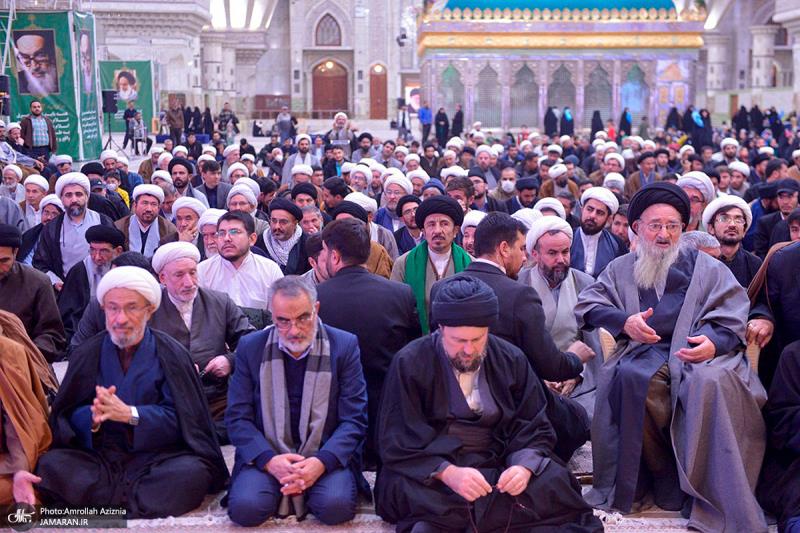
[130, 422]
[297, 414]
[463, 434]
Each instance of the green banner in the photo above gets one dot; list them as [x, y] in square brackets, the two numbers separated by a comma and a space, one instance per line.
[91, 141]
[133, 83]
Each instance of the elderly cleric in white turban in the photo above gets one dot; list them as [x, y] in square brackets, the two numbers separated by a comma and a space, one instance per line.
[545, 225]
[553, 205]
[172, 251]
[603, 195]
[700, 181]
[132, 278]
[527, 216]
[190, 202]
[368, 204]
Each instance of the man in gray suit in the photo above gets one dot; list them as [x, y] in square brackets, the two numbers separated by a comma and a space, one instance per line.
[216, 192]
[303, 156]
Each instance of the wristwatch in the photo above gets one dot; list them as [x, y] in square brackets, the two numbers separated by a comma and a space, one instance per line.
[134, 420]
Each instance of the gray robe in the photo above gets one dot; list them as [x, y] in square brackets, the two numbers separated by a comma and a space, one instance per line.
[717, 432]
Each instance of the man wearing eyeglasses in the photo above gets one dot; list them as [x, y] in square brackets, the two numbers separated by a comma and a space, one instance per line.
[700, 190]
[36, 65]
[678, 410]
[727, 218]
[297, 414]
[237, 271]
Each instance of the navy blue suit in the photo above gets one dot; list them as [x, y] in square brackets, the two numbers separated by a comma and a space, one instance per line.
[254, 493]
[609, 247]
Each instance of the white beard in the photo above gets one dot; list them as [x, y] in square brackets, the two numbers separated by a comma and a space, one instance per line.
[652, 264]
[125, 341]
[46, 85]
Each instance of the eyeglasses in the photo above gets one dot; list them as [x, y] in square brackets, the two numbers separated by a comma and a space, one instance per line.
[232, 233]
[129, 310]
[727, 219]
[392, 194]
[672, 227]
[301, 322]
[41, 60]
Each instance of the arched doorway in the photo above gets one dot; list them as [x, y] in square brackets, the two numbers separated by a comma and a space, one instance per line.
[330, 88]
[377, 92]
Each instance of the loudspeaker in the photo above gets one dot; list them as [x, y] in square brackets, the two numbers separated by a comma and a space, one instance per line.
[4, 85]
[5, 106]
[109, 101]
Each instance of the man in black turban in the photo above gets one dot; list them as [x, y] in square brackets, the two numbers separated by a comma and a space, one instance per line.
[677, 375]
[462, 430]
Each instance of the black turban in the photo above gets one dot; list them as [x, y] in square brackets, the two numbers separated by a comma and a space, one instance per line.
[660, 192]
[290, 207]
[182, 162]
[443, 205]
[10, 236]
[476, 172]
[464, 301]
[93, 168]
[352, 209]
[109, 234]
[408, 198]
[363, 136]
[527, 183]
[304, 188]
[767, 191]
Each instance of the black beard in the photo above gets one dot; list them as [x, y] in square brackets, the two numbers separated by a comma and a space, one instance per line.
[77, 211]
[591, 231]
[553, 276]
[729, 241]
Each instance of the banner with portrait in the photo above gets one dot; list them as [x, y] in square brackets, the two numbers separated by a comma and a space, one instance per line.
[132, 81]
[89, 115]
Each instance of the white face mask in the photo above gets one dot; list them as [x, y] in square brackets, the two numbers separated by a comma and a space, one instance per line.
[111, 186]
[507, 186]
[279, 158]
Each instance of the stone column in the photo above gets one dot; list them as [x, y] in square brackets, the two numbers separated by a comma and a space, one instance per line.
[616, 91]
[580, 96]
[796, 69]
[544, 81]
[505, 95]
[717, 62]
[763, 54]
[212, 62]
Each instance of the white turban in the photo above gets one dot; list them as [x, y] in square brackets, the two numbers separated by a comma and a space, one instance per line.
[557, 170]
[361, 169]
[544, 225]
[368, 204]
[229, 149]
[156, 150]
[149, 189]
[564, 138]
[237, 166]
[728, 141]
[172, 251]
[306, 170]
[72, 178]
[527, 216]
[738, 166]
[402, 149]
[552, 204]
[209, 148]
[164, 158]
[686, 148]
[124, 160]
[14, 126]
[377, 167]
[769, 150]
[725, 202]
[163, 175]
[60, 159]
[204, 157]
[412, 157]
[524, 144]
[472, 219]
[251, 183]
[598, 144]
[36, 179]
[638, 140]
[614, 179]
[108, 154]
[649, 145]
[245, 191]
[133, 278]
[617, 157]
[191, 202]
[15, 169]
[555, 148]
[347, 167]
[419, 173]
[340, 114]
[301, 137]
[699, 181]
[367, 161]
[498, 149]
[248, 157]
[210, 216]
[610, 145]
[627, 153]
[533, 135]
[455, 170]
[180, 148]
[51, 199]
[601, 135]
[402, 181]
[483, 148]
[448, 153]
[603, 195]
[795, 154]
[455, 141]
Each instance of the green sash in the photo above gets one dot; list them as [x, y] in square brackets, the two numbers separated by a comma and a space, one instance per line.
[416, 268]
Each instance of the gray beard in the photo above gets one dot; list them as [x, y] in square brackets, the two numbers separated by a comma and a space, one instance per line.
[126, 341]
[553, 276]
[652, 264]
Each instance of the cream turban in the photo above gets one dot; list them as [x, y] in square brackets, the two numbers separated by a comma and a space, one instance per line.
[483, 148]
[555, 148]
[210, 216]
[557, 170]
[699, 181]
[72, 178]
[542, 226]
[162, 175]
[598, 144]
[743, 168]
[412, 157]
[769, 150]
[205, 157]
[795, 154]
[15, 169]
[172, 251]
[237, 166]
[133, 278]
[400, 180]
[419, 173]
[108, 154]
[368, 204]
[36, 179]
[552, 204]
[149, 189]
[347, 167]
[190, 202]
[524, 144]
[601, 135]
[724, 202]
[229, 150]
[448, 153]
[610, 145]
[564, 138]
[686, 148]
[361, 169]
[124, 160]
[51, 199]
[248, 157]
[367, 161]
[614, 179]
[306, 170]
[301, 137]
[14, 126]
[210, 149]
[617, 157]
[251, 183]
[156, 150]
[601, 194]
[245, 191]
[527, 216]
[728, 141]
[472, 219]
[455, 141]
[180, 148]
[402, 149]
[455, 170]
[60, 159]
[164, 158]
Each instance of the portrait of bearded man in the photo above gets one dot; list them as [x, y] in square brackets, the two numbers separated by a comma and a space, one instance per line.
[37, 72]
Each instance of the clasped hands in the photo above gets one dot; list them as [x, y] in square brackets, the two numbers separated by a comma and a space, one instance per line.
[470, 484]
[294, 472]
[107, 406]
[637, 329]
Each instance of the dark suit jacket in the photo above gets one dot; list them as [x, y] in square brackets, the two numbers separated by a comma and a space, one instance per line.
[521, 322]
[48, 253]
[298, 259]
[765, 231]
[609, 248]
[165, 228]
[221, 193]
[345, 424]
